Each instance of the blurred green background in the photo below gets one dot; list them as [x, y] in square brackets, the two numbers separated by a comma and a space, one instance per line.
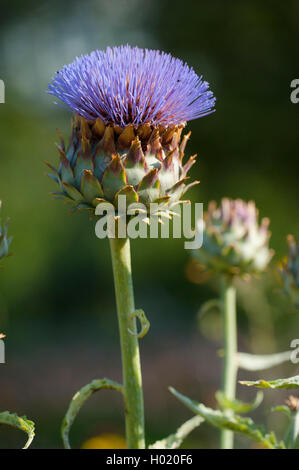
[56, 293]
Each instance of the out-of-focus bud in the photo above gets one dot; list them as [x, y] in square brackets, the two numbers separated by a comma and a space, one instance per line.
[233, 240]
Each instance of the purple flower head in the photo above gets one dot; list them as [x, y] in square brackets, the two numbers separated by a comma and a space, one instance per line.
[128, 85]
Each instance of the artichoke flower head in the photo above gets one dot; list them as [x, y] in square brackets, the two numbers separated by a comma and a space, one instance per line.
[233, 240]
[130, 107]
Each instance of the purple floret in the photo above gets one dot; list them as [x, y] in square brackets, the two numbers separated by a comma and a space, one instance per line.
[127, 85]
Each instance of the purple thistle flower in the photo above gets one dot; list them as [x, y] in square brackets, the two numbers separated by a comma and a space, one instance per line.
[128, 85]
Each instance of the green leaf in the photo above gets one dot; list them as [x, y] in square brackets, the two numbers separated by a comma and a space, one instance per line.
[78, 401]
[174, 441]
[290, 382]
[281, 409]
[22, 423]
[236, 405]
[234, 423]
[260, 362]
[292, 435]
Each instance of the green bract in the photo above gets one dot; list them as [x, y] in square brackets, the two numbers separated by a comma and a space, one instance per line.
[289, 271]
[233, 240]
[102, 162]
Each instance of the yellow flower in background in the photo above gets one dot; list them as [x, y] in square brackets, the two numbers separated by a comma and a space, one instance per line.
[105, 441]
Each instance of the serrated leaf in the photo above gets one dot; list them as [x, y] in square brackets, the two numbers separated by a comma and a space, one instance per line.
[174, 441]
[238, 406]
[78, 401]
[19, 422]
[260, 362]
[291, 382]
[234, 423]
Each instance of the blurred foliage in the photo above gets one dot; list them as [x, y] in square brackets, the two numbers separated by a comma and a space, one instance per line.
[56, 294]
[105, 441]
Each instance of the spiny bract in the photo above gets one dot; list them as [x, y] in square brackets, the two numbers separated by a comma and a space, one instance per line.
[102, 162]
[233, 241]
[289, 271]
[4, 240]
[130, 108]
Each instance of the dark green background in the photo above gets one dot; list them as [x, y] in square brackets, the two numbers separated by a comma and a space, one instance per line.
[56, 292]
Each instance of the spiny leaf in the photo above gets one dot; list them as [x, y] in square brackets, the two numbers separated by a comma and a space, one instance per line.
[236, 405]
[19, 422]
[234, 423]
[78, 401]
[290, 382]
[174, 441]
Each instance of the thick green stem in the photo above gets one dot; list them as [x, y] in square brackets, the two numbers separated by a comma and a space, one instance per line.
[132, 381]
[229, 371]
